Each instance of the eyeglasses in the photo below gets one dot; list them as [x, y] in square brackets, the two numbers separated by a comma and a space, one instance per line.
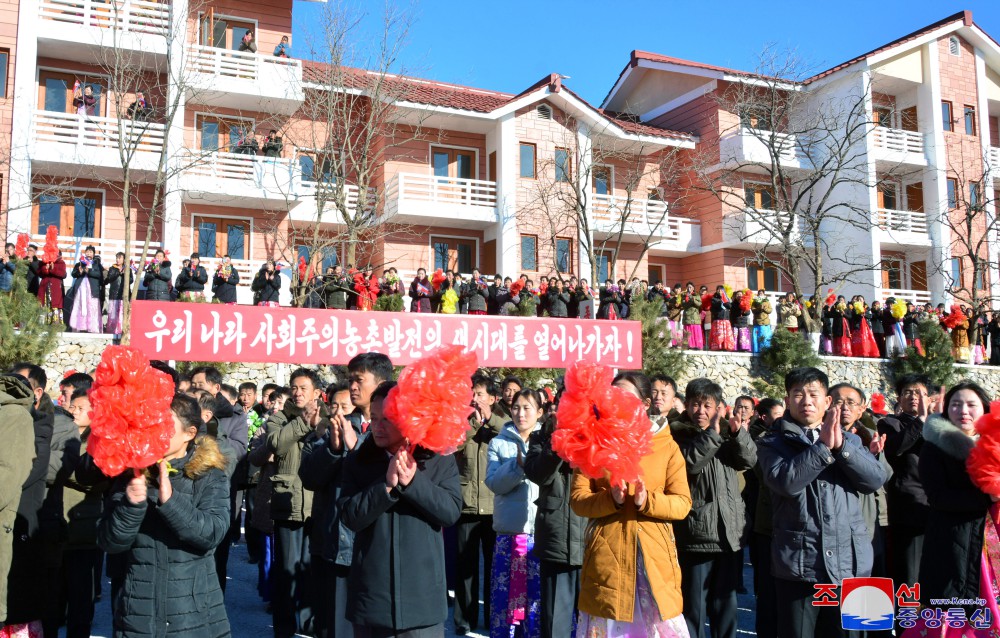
[851, 403]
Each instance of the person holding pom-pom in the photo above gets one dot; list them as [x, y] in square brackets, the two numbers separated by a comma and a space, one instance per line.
[516, 583]
[169, 520]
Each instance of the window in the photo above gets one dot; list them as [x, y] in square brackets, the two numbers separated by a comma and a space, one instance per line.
[947, 120]
[892, 274]
[75, 215]
[55, 91]
[218, 134]
[887, 197]
[654, 273]
[604, 260]
[564, 256]
[453, 163]
[602, 180]
[329, 255]
[756, 116]
[529, 253]
[882, 116]
[759, 196]
[563, 165]
[979, 279]
[453, 254]
[974, 195]
[221, 237]
[952, 192]
[223, 32]
[317, 167]
[527, 161]
[954, 46]
[4, 60]
[762, 277]
[956, 272]
[970, 120]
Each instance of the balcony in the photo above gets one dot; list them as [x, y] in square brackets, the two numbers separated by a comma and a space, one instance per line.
[643, 220]
[106, 249]
[902, 227]
[247, 269]
[919, 297]
[755, 228]
[426, 199]
[994, 157]
[893, 146]
[244, 81]
[67, 145]
[84, 30]
[311, 195]
[750, 146]
[234, 179]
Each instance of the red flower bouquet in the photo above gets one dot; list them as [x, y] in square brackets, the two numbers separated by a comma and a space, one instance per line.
[21, 247]
[983, 462]
[51, 251]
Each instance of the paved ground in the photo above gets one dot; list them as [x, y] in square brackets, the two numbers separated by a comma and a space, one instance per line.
[249, 619]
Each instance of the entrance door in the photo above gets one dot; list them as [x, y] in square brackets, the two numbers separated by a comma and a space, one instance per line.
[55, 91]
[908, 119]
[454, 254]
[219, 237]
[887, 197]
[918, 275]
[892, 274]
[915, 197]
[224, 135]
[74, 215]
[451, 165]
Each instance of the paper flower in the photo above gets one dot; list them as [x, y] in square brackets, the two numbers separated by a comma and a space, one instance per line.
[516, 288]
[600, 429]
[706, 302]
[431, 401]
[878, 404]
[831, 298]
[449, 301]
[898, 309]
[51, 251]
[983, 463]
[859, 307]
[131, 423]
[21, 247]
[438, 278]
[955, 318]
[746, 300]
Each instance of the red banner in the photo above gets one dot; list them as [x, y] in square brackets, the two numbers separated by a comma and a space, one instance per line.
[214, 332]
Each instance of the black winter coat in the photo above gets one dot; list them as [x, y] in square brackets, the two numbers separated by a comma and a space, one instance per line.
[397, 578]
[559, 531]
[266, 290]
[171, 586]
[558, 303]
[224, 288]
[904, 492]
[192, 279]
[720, 309]
[608, 298]
[115, 280]
[95, 275]
[953, 537]
[33, 279]
[157, 282]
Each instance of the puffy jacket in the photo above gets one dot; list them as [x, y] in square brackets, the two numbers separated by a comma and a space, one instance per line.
[157, 282]
[7, 269]
[171, 586]
[904, 492]
[513, 494]
[761, 308]
[478, 296]
[472, 457]
[335, 290]
[720, 309]
[115, 280]
[94, 275]
[608, 577]
[558, 303]
[224, 288]
[322, 472]
[740, 319]
[266, 290]
[16, 455]
[788, 314]
[559, 531]
[717, 521]
[819, 534]
[192, 279]
[397, 577]
[286, 436]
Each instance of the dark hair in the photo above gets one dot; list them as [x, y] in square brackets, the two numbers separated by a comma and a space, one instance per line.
[533, 395]
[36, 375]
[212, 374]
[912, 379]
[766, 405]
[662, 378]
[78, 380]
[805, 376]
[382, 391]
[90, 248]
[744, 397]
[312, 375]
[486, 382]
[187, 409]
[280, 391]
[10, 245]
[966, 385]
[78, 394]
[231, 392]
[511, 379]
[206, 402]
[639, 381]
[268, 388]
[248, 385]
[702, 388]
[377, 363]
[195, 256]
[334, 388]
[848, 386]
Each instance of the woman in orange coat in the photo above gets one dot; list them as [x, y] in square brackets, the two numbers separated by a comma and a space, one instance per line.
[630, 585]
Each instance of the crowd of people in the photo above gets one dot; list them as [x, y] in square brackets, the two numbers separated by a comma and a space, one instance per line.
[356, 533]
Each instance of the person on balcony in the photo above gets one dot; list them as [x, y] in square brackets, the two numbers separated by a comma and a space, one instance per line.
[191, 280]
[50, 286]
[157, 278]
[88, 293]
[139, 110]
[266, 285]
[84, 101]
[283, 50]
[248, 43]
[273, 144]
[225, 281]
[114, 277]
[247, 143]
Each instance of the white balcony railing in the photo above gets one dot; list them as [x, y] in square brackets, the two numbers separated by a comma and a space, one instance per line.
[98, 132]
[125, 16]
[256, 170]
[239, 65]
[646, 216]
[73, 247]
[919, 297]
[901, 221]
[430, 189]
[763, 147]
[894, 140]
[994, 154]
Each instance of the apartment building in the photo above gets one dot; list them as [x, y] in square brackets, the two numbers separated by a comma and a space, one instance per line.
[541, 182]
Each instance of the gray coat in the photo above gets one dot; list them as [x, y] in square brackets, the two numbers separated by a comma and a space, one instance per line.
[514, 495]
[559, 531]
[717, 521]
[819, 533]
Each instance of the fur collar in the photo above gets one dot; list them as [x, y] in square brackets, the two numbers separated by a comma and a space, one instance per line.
[952, 441]
[206, 456]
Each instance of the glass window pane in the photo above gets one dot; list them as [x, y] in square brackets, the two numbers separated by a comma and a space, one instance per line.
[770, 279]
[302, 252]
[766, 199]
[4, 57]
[56, 91]
[527, 161]
[83, 217]
[236, 242]
[464, 258]
[97, 89]
[236, 133]
[946, 115]
[440, 163]
[49, 212]
[602, 181]
[441, 255]
[752, 281]
[562, 255]
[329, 258]
[749, 195]
[307, 166]
[562, 165]
[209, 136]
[970, 120]
[206, 239]
[464, 165]
[952, 193]
[603, 265]
[529, 260]
[219, 34]
[328, 176]
[956, 273]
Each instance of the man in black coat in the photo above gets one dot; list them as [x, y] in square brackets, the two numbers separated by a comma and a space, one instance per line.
[397, 504]
[33, 264]
[192, 279]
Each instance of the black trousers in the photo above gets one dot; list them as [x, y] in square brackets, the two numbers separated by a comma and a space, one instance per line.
[364, 631]
[708, 584]
[80, 566]
[474, 535]
[906, 545]
[560, 591]
[290, 604]
[254, 537]
[763, 587]
[222, 562]
[799, 618]
[328, 588]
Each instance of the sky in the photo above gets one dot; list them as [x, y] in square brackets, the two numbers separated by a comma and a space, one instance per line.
[509, 45]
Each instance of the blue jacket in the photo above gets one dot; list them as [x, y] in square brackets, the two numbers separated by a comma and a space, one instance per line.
[7, 269]
[819, 533]
[514, 495]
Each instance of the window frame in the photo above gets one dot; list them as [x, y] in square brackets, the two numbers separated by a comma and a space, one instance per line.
[103, 80]
[67, 208]
[534, 160]
[948, 116]
[951, 185]
[534, 255]
[959, 282]
[227, 221]
[200, 117]
[759, 190]
[969, 118]
[454, 241]
[751, 111]
[5, 66]
[567, 170]
[569, 256]
[759, 281]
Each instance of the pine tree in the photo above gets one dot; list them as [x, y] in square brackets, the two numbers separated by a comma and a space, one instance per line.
[934, 358]
[389, 303]
[658, 356]
[788, 350]
[24, 333]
